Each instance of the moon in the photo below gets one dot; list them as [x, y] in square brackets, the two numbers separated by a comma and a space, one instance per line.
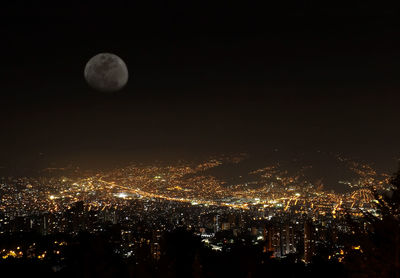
[106, 72]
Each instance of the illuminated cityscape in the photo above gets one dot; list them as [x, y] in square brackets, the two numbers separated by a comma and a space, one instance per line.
[266, 188]
[199, 139]
[286, 212]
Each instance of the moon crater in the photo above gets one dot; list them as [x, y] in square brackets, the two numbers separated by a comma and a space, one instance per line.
[106, 72]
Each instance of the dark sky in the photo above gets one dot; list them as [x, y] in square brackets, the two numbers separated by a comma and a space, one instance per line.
[204, 78]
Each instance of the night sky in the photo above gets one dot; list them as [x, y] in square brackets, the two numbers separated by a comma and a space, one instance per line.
[205, 78]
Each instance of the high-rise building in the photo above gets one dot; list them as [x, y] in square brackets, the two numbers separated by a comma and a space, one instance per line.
[280, 239]
[216, 223]
[274, 241]
[232, 220]
[44, 226]
[287, 239]
[309, 241]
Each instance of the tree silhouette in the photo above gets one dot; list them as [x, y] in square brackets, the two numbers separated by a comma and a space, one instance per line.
[373, 249]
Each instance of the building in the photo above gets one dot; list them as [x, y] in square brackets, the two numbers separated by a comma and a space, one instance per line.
[309, 241]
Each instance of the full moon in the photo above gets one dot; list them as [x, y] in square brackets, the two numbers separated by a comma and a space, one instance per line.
[106, 72]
